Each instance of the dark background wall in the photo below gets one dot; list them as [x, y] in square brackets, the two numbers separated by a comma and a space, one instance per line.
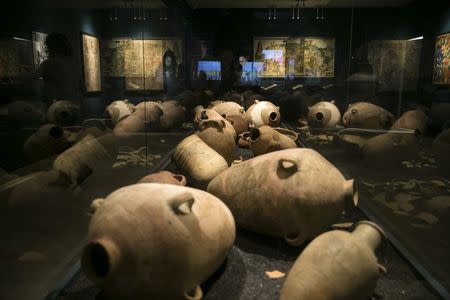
[235, 28]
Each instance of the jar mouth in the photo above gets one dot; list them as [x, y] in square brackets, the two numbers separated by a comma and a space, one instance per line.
[254, 134]
[319, 116]
[273, 116]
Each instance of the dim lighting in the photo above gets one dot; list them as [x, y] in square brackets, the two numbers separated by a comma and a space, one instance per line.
[416, 38]
[20, 39]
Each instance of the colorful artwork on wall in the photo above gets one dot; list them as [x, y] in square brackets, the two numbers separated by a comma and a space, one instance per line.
[40, 53]
[296, 56]
[441, 65]
[91, 63]
[395, 63]
[139, 61]
[272, 53]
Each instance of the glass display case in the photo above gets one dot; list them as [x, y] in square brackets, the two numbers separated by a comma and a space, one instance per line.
[269, 107]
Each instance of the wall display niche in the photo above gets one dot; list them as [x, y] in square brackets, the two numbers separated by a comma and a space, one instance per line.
[395, 63]
[295, 56]
[91, 63]
[15, 58]
[40, 53]
[140, 61]
[441, 64]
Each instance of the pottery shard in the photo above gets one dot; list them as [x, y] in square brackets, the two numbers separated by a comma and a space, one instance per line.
[427, 218]
[278, 194]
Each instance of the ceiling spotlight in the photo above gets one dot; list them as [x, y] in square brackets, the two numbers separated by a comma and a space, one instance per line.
[298, 12]
[270, 13]
[274, 13]
[292, 15]
[317, 13]
[323, 14]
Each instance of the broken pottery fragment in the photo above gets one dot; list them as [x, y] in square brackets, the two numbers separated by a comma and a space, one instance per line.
[266, 139]
[367, 115]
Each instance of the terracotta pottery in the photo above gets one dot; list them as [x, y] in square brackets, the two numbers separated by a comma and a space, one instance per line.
[279, 194]
[63, 113]
[441, 149]
[243, 140]
[47, 141]
[324, 115]
[164, 177]
[391, 147]
[336, 265]
[265, 139]
[240, 123]
[414, 119]
[173, 114]
[202, 113]
[147, 114]
[25, 112]
[86, 156]
[387, 148]
[228, 109]
[156, 241]
[197, 159]
[367, 115]
[215, 135]
[263, 113]
[119, 110]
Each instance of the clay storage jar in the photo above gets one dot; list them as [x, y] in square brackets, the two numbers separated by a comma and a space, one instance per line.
[173, 114]
[266, 139]
[323, 115]
[147, 115]
[336, 265]
[367, 115]
[295, 194]
[215, 135]
[264, 113]
[156, 241]
[194, 157]
[164, 177]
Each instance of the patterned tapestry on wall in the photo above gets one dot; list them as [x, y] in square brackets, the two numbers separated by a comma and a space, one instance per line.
[395, 63]
[296, 56]
[441, 64]
[91, 63]
[133, 59]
